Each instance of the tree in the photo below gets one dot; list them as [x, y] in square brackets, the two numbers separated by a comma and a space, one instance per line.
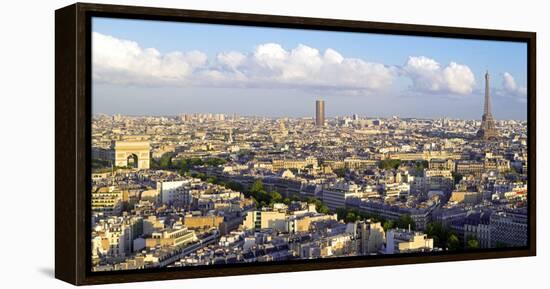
[165, 161]
[214, 162]
[422, 164]
[472, 243]
[296, 199]
[350, 217]
[323, 209]
[340, 172]
[419, 167]
[378, 218]
[453, 243]
[389, 164]
[184, 166]
[499, 244]
[245, 153]
[319, 206]
[235, 186]
[438, 233]
[457, 178]
[98, 164]
[389, 224]
[212, 180]
[257, 186]
[275, 197]
[443, 237]
[341, 213]
[195, 162]
[262, 196]
[201, 176]
[404, 222]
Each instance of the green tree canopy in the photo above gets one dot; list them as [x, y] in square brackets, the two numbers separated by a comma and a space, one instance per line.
[165, 161]
[457, 178]
[275, 197]
[443, 237]
[350, 217]
[322, 208]
[389, 164]
[235, 186]
[212, 180]
[214, 162]
[472, 243]
[389, 224]
[340, 172]
[257, 186]
[404, 222]
[419, 167]
[453, 243]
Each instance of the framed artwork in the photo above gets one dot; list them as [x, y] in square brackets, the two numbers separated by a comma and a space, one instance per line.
[199, 143]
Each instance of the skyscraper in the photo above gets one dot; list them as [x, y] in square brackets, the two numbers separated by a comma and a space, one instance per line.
[487, 130]
[320, 113]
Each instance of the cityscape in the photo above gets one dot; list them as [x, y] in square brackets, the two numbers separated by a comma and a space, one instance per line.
[198, 189]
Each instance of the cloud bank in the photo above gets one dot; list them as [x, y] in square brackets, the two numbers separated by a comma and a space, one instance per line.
[120, 61]
[428, 75]
[124, 62]
[510, 86]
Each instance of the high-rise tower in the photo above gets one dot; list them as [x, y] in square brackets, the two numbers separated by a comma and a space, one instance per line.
[487, 130]
[230, 136]
[320, 113]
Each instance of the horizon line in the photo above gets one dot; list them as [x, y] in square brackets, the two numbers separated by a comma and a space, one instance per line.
[296, 117]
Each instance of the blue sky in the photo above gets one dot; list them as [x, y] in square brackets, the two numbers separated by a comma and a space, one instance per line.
[402, 85]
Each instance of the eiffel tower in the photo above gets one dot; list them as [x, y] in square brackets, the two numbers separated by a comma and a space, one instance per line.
[487, 130]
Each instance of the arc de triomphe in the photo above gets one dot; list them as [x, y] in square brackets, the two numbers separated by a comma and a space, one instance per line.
[139, 151]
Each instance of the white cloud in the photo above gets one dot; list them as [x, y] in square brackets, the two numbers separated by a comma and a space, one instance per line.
[125, 62]
[428, 75]
[231, 59]
[332, 56]
[510, 86]
[268, 65]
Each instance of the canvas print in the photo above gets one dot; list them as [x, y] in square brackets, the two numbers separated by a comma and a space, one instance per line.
[216, 145]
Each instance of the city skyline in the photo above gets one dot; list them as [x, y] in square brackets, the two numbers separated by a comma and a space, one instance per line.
[318, 115]
[203, 189]
[312, 116]
[162, 75]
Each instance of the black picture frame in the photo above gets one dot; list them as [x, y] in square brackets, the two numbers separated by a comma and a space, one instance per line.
[73, 140]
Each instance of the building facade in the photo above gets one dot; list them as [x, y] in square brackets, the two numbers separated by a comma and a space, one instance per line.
[320, 113]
